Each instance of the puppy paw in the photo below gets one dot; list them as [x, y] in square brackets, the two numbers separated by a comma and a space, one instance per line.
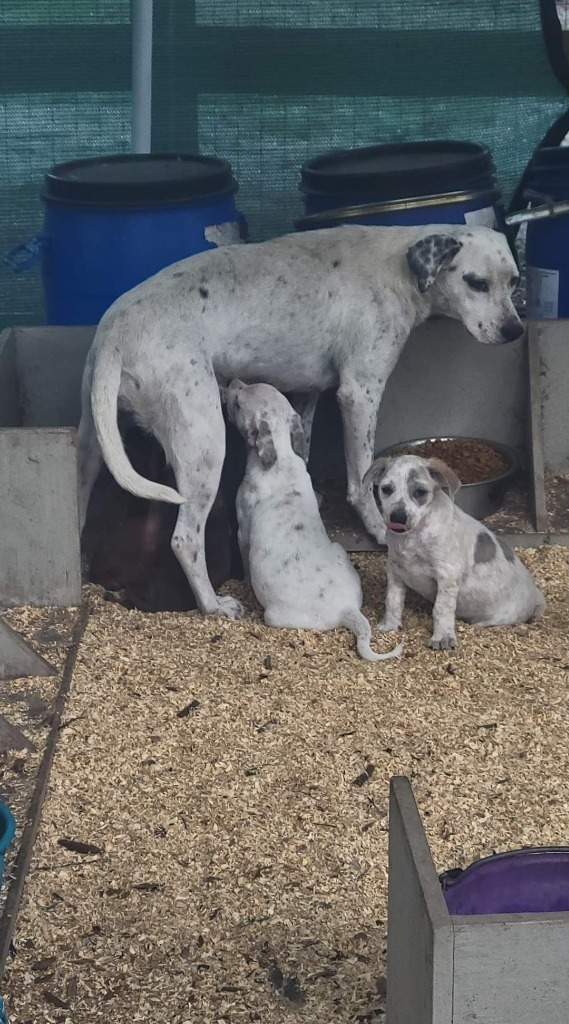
[230, 607]
[443, 643]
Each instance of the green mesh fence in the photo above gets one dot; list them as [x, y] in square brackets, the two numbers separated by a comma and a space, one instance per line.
[266, 84]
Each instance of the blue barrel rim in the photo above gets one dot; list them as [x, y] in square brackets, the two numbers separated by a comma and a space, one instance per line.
[206, 177]
[492, 196]
[7, 827]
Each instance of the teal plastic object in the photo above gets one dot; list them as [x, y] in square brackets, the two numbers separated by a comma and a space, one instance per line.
[7, 829]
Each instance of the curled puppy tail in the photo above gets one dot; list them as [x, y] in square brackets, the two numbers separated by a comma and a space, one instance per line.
[361, 629]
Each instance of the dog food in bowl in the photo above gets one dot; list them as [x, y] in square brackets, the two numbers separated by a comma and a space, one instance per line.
[472, 461]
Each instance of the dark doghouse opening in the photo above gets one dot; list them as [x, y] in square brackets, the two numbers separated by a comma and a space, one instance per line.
[126, 541]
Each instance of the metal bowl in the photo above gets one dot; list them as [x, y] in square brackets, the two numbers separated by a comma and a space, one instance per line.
[481, 499]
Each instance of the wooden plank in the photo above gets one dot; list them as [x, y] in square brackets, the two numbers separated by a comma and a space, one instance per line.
[537, 463]
[31, 826]
[41, 561]
[511, 970]
[17, 659]
[9, 403]
[419, 928]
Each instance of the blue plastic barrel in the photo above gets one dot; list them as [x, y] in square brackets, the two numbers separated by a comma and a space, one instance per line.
[112, 222]
[402, 184]
[547, 241]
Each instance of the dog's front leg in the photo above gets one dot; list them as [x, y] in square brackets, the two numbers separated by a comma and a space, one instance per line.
[444, 615]
[394, 601]
[359, 404]
[243, 533]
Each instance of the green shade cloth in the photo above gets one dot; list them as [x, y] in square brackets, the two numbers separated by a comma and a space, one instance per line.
[265, 84]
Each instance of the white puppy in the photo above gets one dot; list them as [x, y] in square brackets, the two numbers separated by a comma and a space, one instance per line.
[302, 579]
[444, 554]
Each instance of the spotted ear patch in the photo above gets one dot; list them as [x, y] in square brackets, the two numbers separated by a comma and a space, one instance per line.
[427, 257]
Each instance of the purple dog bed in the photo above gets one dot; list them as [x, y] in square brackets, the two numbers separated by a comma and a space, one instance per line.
[534, 880]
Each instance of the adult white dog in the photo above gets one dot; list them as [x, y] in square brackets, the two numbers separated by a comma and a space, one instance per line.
[302, 579]
[444, 554]
[306, 312]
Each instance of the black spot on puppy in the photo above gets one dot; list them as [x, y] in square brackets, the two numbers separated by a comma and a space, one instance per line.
[484, 549]
[204, 292]
[299, 526]
[336, 263]
[508, 553]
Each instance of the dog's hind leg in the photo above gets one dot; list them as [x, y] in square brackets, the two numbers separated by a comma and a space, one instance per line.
[189, 425]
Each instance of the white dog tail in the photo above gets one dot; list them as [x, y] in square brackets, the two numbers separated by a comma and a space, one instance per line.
[104, 405]
[361, 628]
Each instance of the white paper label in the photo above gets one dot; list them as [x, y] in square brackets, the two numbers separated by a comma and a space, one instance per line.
[485, 218]
[223, 234]
[542, 300]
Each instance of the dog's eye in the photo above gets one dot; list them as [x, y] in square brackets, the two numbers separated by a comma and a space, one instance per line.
[386, 490]
[420, 492]
[478, 284]
[514, 282]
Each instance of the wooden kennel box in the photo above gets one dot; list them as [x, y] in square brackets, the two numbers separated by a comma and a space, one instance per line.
[444, 383]
[40, 371]
[488, 969]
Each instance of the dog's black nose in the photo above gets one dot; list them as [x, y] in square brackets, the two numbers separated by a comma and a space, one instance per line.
[511, 330]
[398, 515]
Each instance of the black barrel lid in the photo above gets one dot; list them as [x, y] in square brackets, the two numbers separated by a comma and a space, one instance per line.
[415, 168]
[550, 158]
[139, 179]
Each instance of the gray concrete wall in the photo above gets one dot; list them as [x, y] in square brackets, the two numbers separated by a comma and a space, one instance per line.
[552, 338]
[40, 561]
[419, 929]
[444, 384]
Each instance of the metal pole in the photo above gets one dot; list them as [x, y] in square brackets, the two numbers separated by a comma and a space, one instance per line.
[141, 17]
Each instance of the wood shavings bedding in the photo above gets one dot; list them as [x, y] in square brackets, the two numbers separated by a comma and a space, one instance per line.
[27, 704]
[236, 780]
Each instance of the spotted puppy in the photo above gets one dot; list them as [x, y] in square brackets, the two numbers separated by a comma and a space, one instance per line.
[302, 579]
[444, 554]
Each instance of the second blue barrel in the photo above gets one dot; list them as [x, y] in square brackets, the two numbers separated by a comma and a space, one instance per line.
[111, 222]
[547, 241]
[410, 183]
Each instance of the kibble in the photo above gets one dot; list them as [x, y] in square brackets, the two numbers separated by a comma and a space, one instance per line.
[472, 461]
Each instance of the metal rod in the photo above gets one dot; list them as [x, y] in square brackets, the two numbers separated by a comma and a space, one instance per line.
[141, 18]
[539, 212]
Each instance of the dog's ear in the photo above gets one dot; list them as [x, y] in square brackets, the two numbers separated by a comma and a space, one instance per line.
[298, 438]
[265, 445]
[375, 473]
[444, 476]
[427, 257]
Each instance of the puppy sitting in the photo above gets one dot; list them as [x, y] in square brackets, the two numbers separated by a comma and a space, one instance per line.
[302, 579]
[444, 554]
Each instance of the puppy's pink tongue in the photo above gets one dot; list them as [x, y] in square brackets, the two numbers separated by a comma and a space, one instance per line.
[397, 527]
